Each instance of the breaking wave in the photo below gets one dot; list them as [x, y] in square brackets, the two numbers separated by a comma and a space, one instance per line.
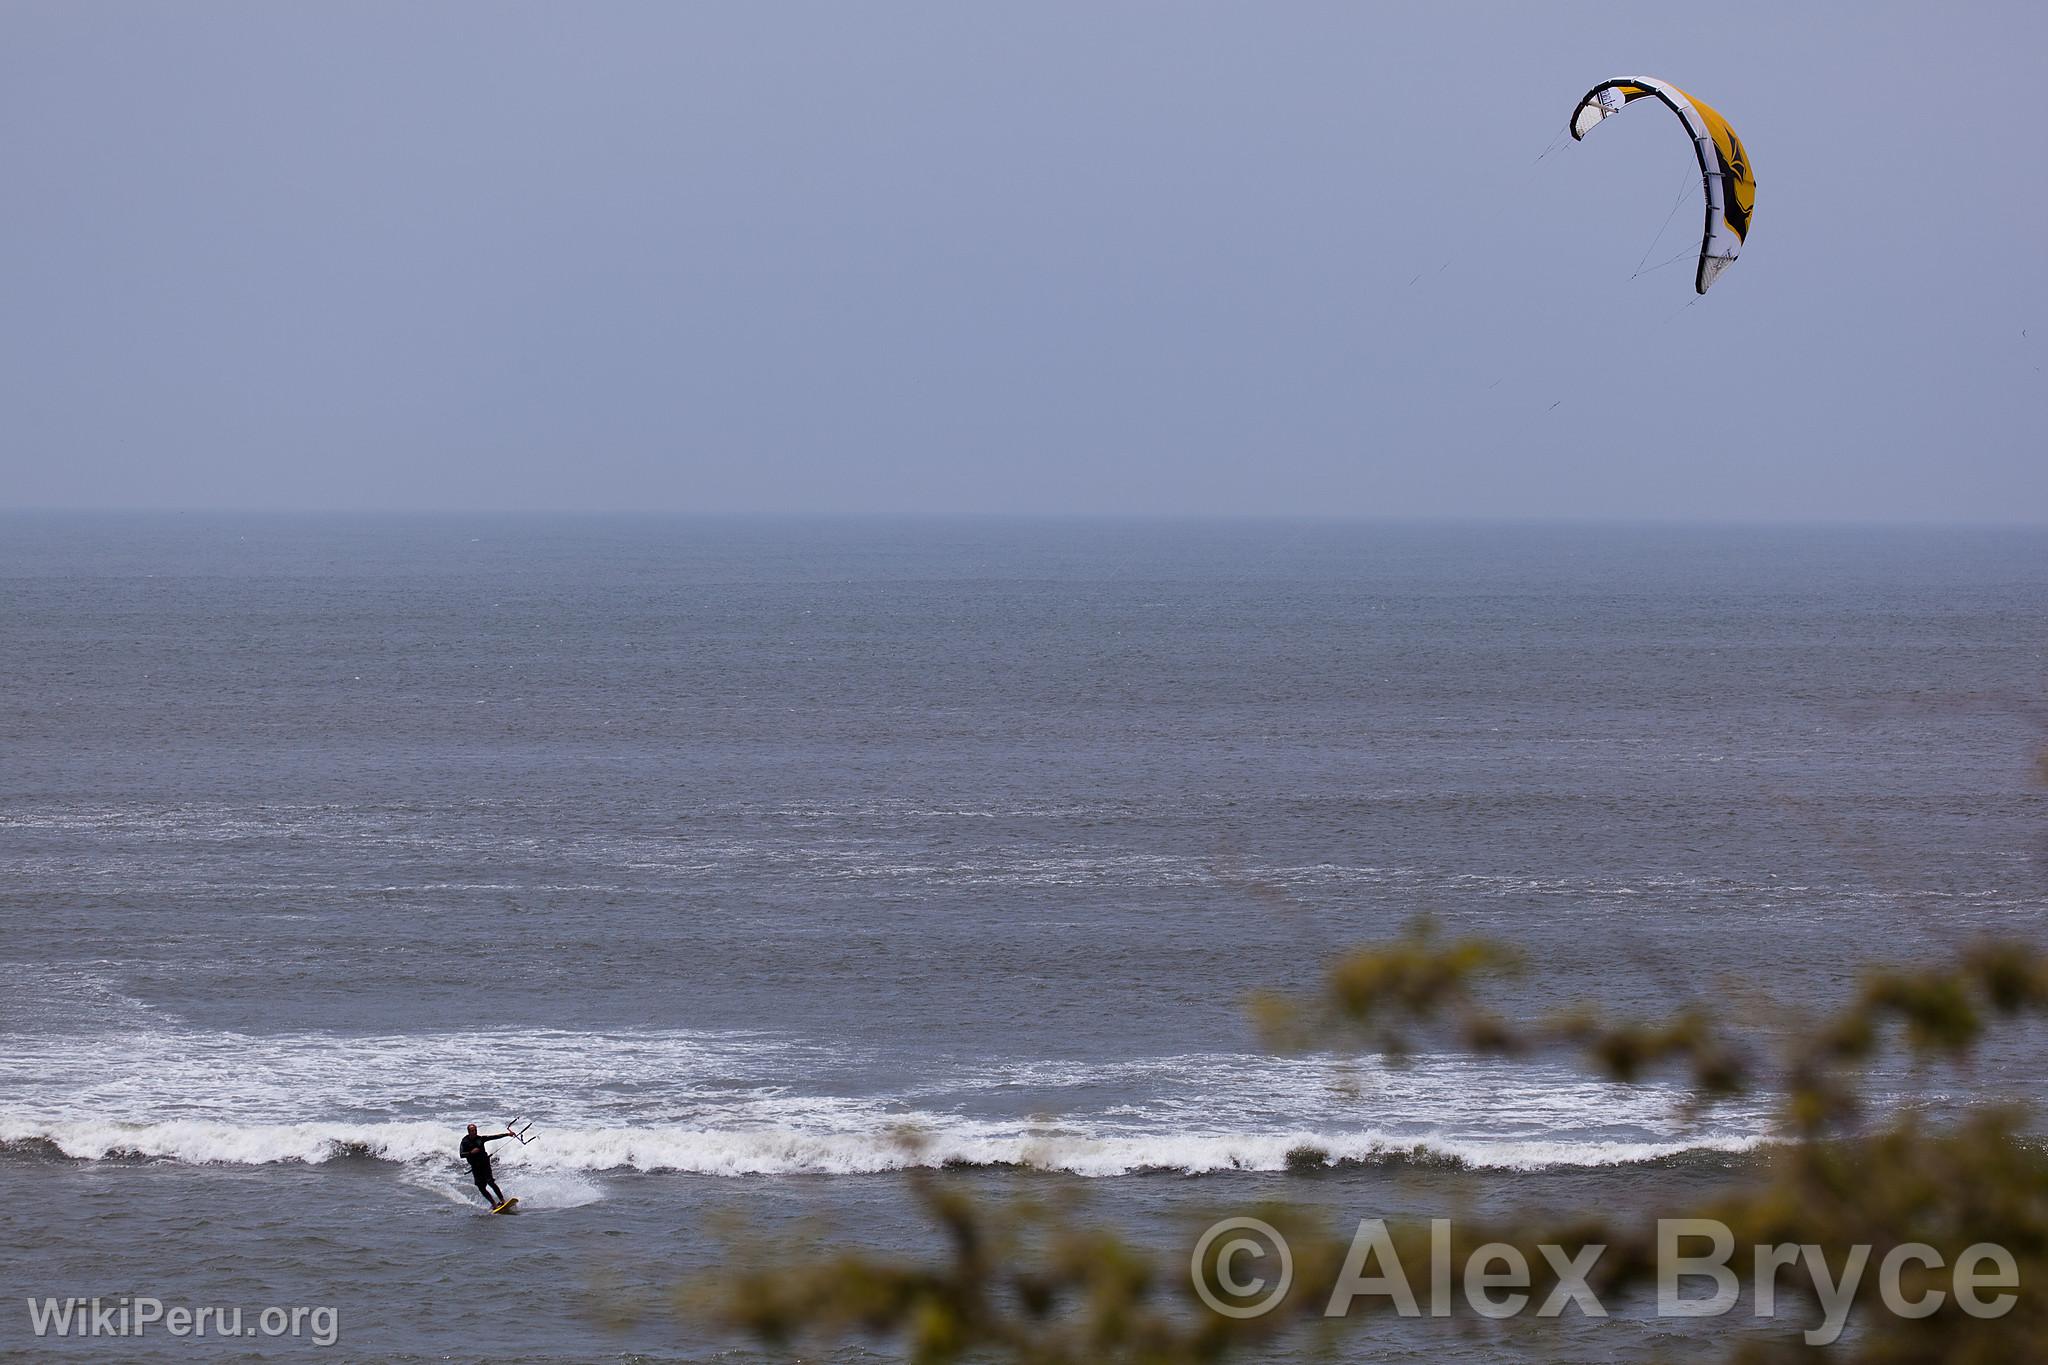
[756, 1103]
[794, 1152]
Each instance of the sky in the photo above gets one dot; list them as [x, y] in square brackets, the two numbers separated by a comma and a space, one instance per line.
[1124, 259]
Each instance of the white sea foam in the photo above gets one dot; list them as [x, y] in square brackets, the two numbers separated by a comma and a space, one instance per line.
[761, 1103]
[551, 1168]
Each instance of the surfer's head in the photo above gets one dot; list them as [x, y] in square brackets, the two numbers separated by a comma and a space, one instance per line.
[472, 1130]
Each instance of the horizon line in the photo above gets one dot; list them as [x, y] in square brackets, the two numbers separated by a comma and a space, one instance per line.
[1158, 517]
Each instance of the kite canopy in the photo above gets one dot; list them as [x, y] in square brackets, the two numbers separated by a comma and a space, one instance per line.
[1724, 164]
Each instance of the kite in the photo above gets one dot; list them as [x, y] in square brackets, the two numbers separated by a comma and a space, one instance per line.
[1724, 162]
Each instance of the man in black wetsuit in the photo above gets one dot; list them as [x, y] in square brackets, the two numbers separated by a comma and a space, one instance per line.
[477, 1153]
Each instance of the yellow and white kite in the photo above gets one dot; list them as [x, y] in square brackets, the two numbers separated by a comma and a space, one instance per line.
[1724, 163]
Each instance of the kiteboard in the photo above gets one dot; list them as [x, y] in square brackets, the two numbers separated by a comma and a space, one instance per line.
[509, 1206]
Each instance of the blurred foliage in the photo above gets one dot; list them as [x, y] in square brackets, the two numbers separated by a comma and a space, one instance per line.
[1030, 1280]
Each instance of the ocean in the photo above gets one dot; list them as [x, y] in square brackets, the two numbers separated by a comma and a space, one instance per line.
[726, 852]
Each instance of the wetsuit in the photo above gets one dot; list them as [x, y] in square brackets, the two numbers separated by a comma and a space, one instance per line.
[477, 1153]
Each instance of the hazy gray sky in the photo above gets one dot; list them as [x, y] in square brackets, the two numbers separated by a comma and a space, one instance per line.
[1044, 258]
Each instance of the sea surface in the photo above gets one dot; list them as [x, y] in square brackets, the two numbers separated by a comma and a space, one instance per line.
[731, 852]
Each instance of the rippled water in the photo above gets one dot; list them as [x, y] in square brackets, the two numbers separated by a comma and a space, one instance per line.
[727, 851]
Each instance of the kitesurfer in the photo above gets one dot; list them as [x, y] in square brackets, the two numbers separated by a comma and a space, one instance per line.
[476, 1151]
